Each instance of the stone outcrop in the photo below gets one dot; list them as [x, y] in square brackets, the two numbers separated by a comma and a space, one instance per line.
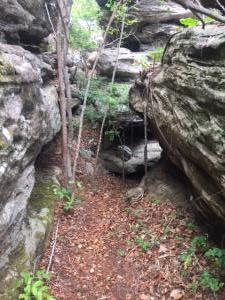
[157, 21]
[113, 160]
[29, 118]
[188, 106]
[25, 22]
[128, 63]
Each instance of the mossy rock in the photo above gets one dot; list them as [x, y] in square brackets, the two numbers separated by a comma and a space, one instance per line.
[36, 230]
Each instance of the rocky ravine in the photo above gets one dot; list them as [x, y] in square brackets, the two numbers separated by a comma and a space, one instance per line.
[189, 106]
[29, 118]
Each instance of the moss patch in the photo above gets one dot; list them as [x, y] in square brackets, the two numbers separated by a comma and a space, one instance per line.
[39, 221]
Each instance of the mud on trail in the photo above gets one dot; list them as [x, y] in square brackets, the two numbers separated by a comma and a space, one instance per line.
[109, 249]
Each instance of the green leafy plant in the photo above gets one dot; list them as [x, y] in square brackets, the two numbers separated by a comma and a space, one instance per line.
[34, 286]
[156, 55]
[145, 245]
[143, 62]
[208, 281]
[122, 252]
[85, 29]
[111, 134]
[157, 202]
[189, 22]
[217, 256]
[200, 242]
[67, 195]
[191, 226]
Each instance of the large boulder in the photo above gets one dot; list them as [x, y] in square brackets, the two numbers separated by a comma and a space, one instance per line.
[29, 118]
[128, 63]
[25, 21]
[188, 106]
[113, 159]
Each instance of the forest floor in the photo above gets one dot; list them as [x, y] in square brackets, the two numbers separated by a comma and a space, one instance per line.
[109, 249]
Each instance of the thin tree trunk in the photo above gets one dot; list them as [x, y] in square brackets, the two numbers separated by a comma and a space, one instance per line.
[146, 140]
[76, 155]
[111, 90]
[63, 106]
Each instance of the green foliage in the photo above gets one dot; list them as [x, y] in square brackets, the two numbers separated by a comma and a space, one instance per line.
[122, 252]
[198, 243]
[145, 245]
[156, 54]
[66, 194]
[101, 95]
[85, 28]
[217, 256]
[111, 134]
[34, 286]
[143, 62]
[208, 281]
[189, 22]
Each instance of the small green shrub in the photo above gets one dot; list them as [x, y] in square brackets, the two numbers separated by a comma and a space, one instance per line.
[217, 256]
[208, 281]
[34, 286]
[156, 55]
[67, 195]
[145, 245]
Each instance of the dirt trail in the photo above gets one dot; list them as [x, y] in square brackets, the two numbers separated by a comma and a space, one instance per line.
[108, 249]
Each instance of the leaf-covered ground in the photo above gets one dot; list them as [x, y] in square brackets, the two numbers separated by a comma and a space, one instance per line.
[109, 249]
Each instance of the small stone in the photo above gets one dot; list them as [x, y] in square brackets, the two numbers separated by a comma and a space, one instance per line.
[144, 297]
[176, 294]
[92, 270]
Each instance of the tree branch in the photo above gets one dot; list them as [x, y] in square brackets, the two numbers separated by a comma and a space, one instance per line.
[187, 4]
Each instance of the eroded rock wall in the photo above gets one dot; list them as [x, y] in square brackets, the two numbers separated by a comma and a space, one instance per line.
[29, 119]
[188, 105]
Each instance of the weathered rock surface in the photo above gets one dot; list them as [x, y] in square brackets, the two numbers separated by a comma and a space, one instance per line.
[128, 66]
[189, 107]
[113, 161]
[23, 21]
[157, 21]
[29, 118]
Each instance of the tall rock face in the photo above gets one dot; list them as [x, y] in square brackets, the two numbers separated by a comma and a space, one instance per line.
[29, 119]
[25, 21]
[188, 106]
[155, 22]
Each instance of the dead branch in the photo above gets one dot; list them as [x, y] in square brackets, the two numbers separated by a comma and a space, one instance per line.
[53, 247]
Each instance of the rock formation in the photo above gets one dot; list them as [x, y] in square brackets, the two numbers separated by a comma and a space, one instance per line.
[29, 118]
[187, 111]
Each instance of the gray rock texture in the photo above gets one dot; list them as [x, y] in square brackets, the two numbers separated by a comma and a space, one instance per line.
[29, 118]
[128, 66]
[23, 21]
[114, 163]
[188, 105]
[157, 21]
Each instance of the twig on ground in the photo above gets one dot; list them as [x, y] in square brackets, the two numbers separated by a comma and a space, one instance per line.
[53, 247]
